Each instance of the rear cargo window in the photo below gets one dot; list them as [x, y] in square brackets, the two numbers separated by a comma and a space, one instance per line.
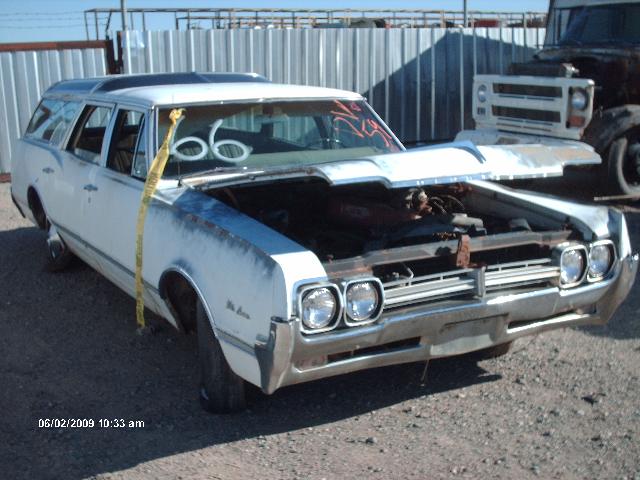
[51, 120]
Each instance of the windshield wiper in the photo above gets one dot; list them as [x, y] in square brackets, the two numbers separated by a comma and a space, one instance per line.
[212, 171]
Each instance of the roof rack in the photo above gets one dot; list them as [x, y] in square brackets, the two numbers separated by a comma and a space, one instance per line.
[118, 82]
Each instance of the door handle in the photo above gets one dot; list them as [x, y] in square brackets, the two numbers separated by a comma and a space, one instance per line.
[90, 188]
[47, 170]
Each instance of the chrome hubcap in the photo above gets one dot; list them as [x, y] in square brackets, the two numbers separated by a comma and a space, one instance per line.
[55, 243]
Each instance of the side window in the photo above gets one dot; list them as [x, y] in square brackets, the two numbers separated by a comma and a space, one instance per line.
[128, 147]
[52, 120]
[140, 158]
[86, 141]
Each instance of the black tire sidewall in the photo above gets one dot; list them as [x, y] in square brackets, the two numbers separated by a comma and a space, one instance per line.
[616, 157]
[221, 389]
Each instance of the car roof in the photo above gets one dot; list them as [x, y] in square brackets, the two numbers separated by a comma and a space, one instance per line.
[189, 88]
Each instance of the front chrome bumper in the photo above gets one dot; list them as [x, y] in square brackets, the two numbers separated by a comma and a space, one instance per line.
[442, 330]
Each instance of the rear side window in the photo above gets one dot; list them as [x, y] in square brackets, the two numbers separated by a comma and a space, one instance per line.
[86, 141]
[51, 120]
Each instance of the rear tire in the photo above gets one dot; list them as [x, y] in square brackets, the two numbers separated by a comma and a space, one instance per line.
[221, 390]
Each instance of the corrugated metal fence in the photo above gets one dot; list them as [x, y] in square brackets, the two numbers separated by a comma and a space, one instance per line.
[419, 80]
[24, 75]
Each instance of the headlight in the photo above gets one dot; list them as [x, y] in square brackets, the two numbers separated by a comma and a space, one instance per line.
[573, 262]
[361, 301]
[579, 99]
[600, 260]
[482, 93]
[319, 307]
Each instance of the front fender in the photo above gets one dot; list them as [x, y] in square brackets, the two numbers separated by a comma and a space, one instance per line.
[611, 124]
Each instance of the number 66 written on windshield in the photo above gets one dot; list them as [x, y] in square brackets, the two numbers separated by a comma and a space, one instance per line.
[213, 145]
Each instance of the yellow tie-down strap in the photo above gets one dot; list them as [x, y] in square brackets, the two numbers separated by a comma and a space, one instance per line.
[150, 185]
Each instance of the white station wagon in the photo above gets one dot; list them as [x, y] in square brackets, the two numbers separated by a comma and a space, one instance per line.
[293, 232]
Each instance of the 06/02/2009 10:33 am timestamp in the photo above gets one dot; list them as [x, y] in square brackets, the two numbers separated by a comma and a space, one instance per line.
[89, 423]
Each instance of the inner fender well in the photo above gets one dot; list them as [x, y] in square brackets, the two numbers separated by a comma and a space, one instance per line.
[181, 295]
[36, 207]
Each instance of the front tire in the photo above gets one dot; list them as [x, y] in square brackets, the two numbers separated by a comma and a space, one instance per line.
[623, 164]
[221, 390]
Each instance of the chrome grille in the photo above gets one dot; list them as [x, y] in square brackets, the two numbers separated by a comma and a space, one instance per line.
[509, 275]
[469, 282]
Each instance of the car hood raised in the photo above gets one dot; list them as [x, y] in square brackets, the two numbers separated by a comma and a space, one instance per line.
[445, 163]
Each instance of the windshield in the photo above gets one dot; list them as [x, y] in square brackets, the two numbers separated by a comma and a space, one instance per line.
[596, 25]
[274, 134]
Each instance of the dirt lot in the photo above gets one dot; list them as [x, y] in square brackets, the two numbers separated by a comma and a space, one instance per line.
[562, 405]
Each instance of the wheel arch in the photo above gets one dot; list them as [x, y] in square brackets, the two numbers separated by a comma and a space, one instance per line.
[231, 352]
[171, 282]
[36, 206]
[610, 125]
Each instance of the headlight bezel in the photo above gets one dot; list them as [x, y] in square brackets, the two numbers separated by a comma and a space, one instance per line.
[612, 259]
[559, 253]
[585, 96]
[377, 285]
[481, 93]
[337, 315]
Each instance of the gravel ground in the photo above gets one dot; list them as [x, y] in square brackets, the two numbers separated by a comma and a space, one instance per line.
[562, 405]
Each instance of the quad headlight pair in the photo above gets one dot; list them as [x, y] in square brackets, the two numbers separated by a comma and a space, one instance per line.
[578, 262]
[358, 302]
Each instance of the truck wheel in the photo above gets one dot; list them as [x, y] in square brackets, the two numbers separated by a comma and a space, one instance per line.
[59, 257]
[493, 352]
[221, 390]
[623, 164]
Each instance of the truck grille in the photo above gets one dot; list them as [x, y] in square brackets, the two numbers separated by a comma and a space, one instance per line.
[527, 114]
[471, 282]
[527, 90]
[530, 105]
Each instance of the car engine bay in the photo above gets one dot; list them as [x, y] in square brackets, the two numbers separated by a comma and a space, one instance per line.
[339, 222]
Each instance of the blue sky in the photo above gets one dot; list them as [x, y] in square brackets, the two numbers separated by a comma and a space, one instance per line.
[47, 20]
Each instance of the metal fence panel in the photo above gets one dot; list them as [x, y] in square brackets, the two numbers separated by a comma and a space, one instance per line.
[418, 80]
[25, 75]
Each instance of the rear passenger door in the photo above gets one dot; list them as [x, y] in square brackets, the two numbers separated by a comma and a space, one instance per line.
[78, 198]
